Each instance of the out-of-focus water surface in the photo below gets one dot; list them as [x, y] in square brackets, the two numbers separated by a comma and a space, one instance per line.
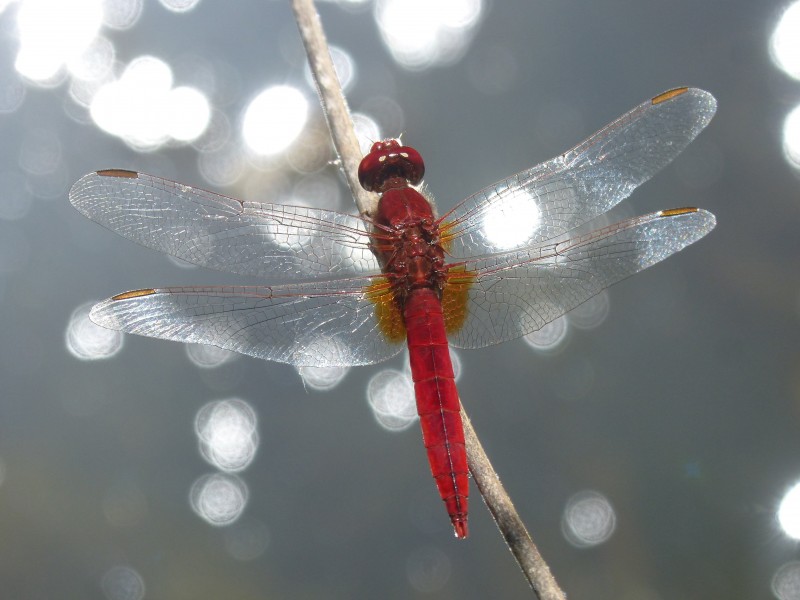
[650, 440]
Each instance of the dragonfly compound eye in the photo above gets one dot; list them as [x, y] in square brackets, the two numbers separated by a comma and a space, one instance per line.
[389, 160]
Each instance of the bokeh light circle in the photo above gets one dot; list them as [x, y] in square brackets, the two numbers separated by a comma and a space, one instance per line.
[786, 581]
[322, 378]
[87, 341]
[219, 499]
[274, 119]
[390, 395]
[227, 433]
[122, 583]
[206, 356]
[789, 512]
[588, 519]
[784, 45]
[550, 337]
[791, 137]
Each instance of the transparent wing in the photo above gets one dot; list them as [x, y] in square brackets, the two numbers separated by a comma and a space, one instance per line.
[210, 230]
[321, 325]
[512, 294]
[544, 202]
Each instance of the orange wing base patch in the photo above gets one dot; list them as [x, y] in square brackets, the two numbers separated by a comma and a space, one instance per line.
[446, 235]
[387, 311]
[455, 297]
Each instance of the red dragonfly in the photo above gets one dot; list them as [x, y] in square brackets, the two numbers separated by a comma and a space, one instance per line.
[501, 264]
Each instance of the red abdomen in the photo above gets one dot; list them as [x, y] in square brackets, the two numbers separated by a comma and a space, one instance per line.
[437, 401]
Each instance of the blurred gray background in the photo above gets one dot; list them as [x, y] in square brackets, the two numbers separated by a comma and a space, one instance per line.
[648, 454]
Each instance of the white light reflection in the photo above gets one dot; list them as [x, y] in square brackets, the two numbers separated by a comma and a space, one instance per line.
[87, 341]
[95, 62]
[322, 378]
[247, 539]
[143, 109]
[550, 337]
[791, 137]
[428, 570]
[81, 92]
[420, 34]
[512, 220]
[179, 5]
[208, 357]
[391, 397]
[789, 512]
[274, 119]
[52, 32]
[786, 581]
[218, 499]
[588, 520]
[591, 313]
[227, 433]
[456, 360]
[122, 583]
[121, 14]
[784, 44]
[188, 114]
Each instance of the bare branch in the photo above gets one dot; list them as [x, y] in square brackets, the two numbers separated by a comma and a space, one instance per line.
[333, 102]
[494, 495]
[508, 521]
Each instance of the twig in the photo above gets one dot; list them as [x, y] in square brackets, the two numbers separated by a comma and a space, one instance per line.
[494, 495]
[333, 101]
[507, 519]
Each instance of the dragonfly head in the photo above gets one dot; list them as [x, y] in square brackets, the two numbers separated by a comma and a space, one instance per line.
[387, 162]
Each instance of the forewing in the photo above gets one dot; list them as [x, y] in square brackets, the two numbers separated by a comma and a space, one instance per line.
[266, 240]
[542, 203]
[320, 325]
[510, 295]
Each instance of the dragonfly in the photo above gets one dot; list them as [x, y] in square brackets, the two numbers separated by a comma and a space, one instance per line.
[343, 290]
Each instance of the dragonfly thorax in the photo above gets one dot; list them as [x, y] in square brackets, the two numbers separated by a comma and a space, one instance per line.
[406, 241]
